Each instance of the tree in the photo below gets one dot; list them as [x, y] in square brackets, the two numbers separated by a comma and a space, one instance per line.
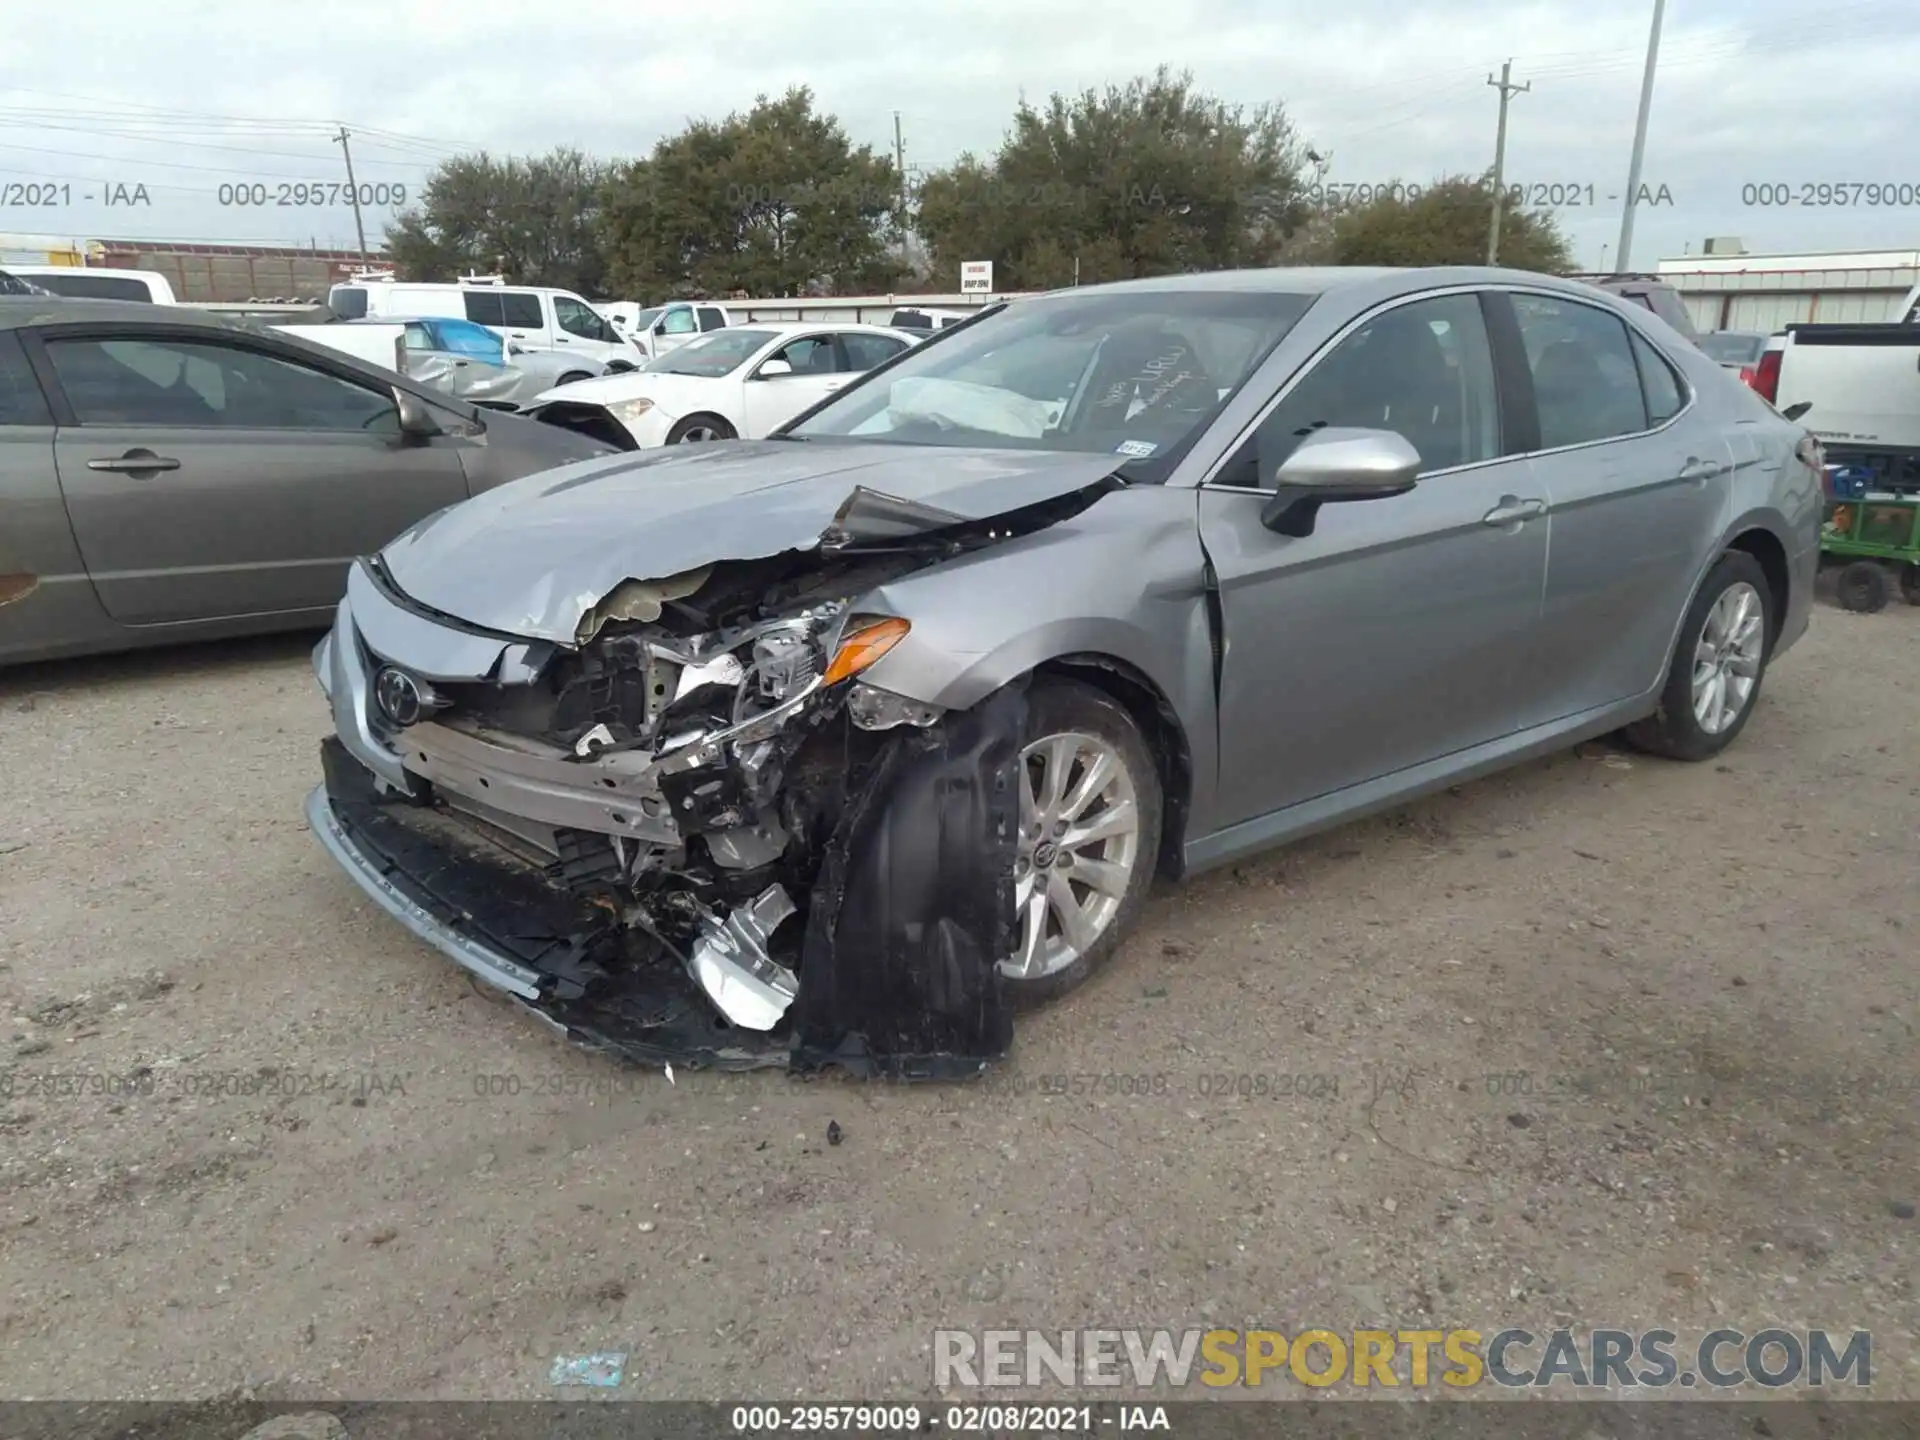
[1149, 178]
[775, 202]
[1445, 223]
[536, 221]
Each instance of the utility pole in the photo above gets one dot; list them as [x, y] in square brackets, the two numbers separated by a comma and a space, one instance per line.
[353, 193]
[900, 164]
[1507, 92]
[1639, 138]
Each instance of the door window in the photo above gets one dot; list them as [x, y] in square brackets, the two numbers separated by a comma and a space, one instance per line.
[577, 318]
[520, 310]
[195, 383]
[1585, 381]
[711, 318]
[1664, 392]
[678, 322]
[1423, 371]
[811, 355]
[418, 337]
[349, 302]
[21, 402]
[483, 307]
[866, 351]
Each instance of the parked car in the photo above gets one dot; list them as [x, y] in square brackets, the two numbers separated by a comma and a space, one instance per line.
[831, 747]
[1736, 350]
[658, 329]
[527, 315]
[743, 381]
[479, 366]
[926, 321]
[1652, 293]
[93, 282]
[168, 475]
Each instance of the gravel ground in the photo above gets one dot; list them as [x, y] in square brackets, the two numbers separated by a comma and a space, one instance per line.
[1602, 1041]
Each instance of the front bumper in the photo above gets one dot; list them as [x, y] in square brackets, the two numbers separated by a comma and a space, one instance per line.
[905, 920]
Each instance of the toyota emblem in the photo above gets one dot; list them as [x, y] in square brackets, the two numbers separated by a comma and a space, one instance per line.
[398, 696]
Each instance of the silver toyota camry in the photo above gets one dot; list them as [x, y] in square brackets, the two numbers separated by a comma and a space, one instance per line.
[836, 747]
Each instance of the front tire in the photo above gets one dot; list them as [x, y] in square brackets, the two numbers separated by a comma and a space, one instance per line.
[1090, 818]
[1714, 679]
[700, 428]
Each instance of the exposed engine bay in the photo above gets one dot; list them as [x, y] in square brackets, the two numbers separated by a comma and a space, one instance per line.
[703, 789]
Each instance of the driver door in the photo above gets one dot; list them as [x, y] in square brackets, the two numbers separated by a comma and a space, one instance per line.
[1398, 632]
[772, 400]
[211, 477]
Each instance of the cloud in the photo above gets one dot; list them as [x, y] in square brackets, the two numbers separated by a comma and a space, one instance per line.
[1774, 93]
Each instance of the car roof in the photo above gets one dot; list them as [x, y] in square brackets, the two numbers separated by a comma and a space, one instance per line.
[1320, 280]
[18, 311]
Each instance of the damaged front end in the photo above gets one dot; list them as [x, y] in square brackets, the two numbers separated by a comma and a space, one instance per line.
[697, 835]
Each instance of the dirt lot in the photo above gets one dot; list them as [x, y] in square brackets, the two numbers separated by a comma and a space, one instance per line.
[1704, 974]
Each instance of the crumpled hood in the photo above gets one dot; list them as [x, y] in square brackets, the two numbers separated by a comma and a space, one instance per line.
[533, 556]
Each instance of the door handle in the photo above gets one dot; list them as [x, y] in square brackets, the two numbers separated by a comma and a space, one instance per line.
[833, 384]
[138, 463]
[1512, 511]
[1697, 469]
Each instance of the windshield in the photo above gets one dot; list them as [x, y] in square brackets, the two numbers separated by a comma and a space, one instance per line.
[718, 352]
[1730, 348]
[644, 320]
[1135, 373]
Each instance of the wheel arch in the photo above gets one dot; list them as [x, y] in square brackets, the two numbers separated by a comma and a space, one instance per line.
[1130, 688]
[1766, 548]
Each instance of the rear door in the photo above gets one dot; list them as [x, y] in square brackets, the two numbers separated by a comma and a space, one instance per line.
[209, 475]
[43, 583]
[1641, 493]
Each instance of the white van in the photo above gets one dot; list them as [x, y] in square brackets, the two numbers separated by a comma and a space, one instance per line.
[533, 317]
[657, 329]
[94, 282]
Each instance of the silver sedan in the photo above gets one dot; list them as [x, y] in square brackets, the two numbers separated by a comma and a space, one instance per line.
[1120, 582]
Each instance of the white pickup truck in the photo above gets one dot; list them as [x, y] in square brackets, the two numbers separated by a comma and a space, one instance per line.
[1860, 384]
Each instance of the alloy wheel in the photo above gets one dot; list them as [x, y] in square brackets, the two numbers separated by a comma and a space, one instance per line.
[1726, 658]
[1079, 845]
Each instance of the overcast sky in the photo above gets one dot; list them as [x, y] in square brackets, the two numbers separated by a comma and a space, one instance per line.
[1783, 94]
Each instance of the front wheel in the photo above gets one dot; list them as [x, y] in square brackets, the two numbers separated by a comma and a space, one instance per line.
[1714, 679]
[1090, 816]
[697, 428]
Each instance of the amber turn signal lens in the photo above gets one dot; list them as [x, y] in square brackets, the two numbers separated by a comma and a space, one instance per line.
[863, 645]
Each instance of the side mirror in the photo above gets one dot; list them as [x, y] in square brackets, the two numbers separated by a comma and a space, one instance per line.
[1337, 464]
[416, 420]
[659, 327]
[774, 368]
[620, 367]
[516, 349]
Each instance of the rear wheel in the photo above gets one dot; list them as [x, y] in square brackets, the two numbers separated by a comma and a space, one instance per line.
[1863, 587]
[1910, 584]
[699, 428]
[1090, 815]
[1715, 675]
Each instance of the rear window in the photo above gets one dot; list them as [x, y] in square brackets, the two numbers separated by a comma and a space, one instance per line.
[912, 320]
[81, 286]
[349, 302]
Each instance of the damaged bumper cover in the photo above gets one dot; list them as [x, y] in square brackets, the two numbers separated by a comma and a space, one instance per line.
[893, 933]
